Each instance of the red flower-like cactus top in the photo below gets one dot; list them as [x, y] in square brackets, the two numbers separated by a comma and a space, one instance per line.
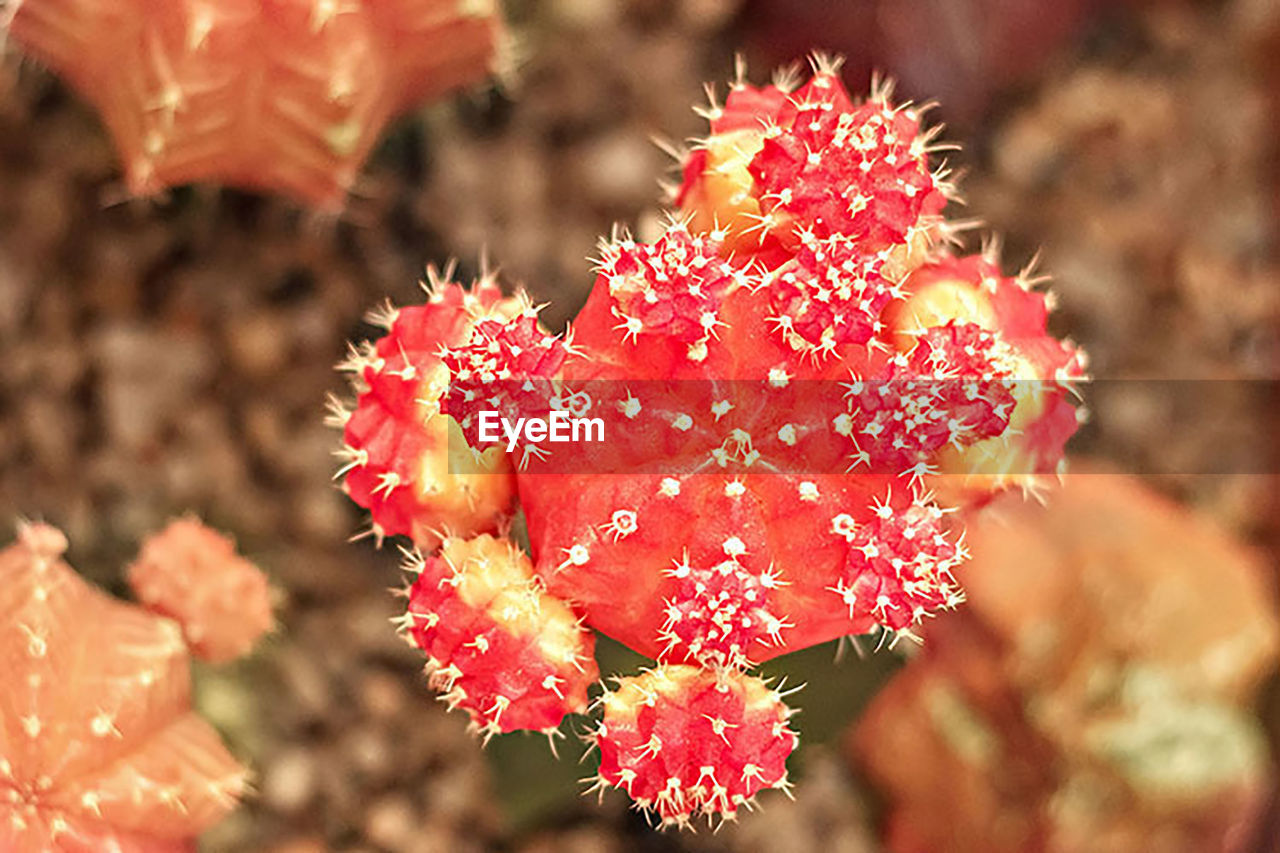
[797, 384]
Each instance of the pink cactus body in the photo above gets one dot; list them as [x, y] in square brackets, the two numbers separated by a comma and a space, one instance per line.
[193, 575]
[799, 384]
[282, 95]
[99, 747]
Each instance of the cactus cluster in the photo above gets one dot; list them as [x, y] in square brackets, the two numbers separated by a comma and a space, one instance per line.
[799, 383]
[282, 95]
[99, 746]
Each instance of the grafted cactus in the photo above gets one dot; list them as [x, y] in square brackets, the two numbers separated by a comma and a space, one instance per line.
[99, 746]
[797, 385]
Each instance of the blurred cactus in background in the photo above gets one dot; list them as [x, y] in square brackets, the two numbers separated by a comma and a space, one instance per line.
[285, 96]
[193, 575]
[1096, 693]
[99, 746]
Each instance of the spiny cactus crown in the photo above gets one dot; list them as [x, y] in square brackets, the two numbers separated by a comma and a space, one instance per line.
[801, 385]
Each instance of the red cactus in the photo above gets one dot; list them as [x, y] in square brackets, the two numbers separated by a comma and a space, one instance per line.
[193, 575]
[787, 379]
[973, 291]
[784, 161]
[282, 95]
[99, 747]
[398, 450]
[860, 172]
[478, 613]
[686, 742]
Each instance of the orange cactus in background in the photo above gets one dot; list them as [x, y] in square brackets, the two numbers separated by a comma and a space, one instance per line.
[192, 574]
[1096, 692]
[99, 746]
[278, 95]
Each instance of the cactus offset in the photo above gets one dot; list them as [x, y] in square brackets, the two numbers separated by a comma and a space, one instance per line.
[478, 613]
[99, 747]
[193, 575]
[398, 462]
[282, 96]
[799, 384]
[686, 742]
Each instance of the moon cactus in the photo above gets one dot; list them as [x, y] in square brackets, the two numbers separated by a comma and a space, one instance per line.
[798, 384]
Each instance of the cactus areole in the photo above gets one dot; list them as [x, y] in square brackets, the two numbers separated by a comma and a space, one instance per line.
[799, 383]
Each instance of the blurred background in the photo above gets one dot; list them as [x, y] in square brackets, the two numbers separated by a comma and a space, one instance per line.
[172, 354]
